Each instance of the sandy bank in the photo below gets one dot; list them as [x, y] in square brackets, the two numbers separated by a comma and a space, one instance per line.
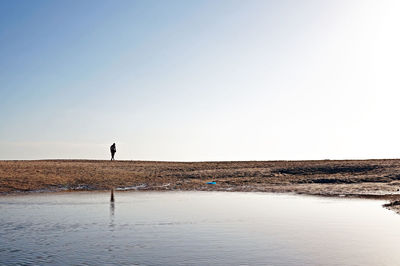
[361, 178]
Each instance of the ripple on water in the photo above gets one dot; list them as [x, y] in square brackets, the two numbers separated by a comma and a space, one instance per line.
[183, 228]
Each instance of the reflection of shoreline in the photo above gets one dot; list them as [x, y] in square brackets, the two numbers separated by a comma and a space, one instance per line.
[353, 178]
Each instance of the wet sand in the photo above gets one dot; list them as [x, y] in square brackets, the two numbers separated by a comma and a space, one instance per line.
[351, 178]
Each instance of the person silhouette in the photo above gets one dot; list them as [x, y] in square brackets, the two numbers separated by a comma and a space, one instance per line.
[113, 150]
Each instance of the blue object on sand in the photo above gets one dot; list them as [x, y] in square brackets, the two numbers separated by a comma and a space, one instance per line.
[211, 183]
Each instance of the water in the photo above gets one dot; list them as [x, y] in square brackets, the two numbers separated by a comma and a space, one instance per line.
[196, 228]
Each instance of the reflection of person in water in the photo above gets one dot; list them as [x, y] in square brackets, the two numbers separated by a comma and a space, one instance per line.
[113, 150]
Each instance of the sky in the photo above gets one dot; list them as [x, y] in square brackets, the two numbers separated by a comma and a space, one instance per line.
[199, 80]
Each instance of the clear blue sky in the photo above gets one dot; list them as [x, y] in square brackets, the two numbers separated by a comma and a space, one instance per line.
[199, 80]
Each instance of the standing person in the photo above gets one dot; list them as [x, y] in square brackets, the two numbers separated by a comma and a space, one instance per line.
[113, 150]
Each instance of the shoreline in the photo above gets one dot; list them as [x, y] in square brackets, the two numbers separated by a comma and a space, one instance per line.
[393, 203]
[372, 179]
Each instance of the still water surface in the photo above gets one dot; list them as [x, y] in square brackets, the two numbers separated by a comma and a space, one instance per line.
[196, 228]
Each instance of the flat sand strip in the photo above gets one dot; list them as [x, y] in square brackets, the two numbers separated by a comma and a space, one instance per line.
[363, 178]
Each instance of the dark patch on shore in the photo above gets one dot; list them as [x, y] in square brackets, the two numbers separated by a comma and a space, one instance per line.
[327, 170]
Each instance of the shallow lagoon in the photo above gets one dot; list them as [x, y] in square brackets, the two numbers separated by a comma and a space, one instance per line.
[196, 228]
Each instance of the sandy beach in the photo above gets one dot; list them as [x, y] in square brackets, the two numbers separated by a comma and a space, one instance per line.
[350, 178]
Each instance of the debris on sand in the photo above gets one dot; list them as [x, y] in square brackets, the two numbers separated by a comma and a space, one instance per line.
[392, 204]
[141, 186]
